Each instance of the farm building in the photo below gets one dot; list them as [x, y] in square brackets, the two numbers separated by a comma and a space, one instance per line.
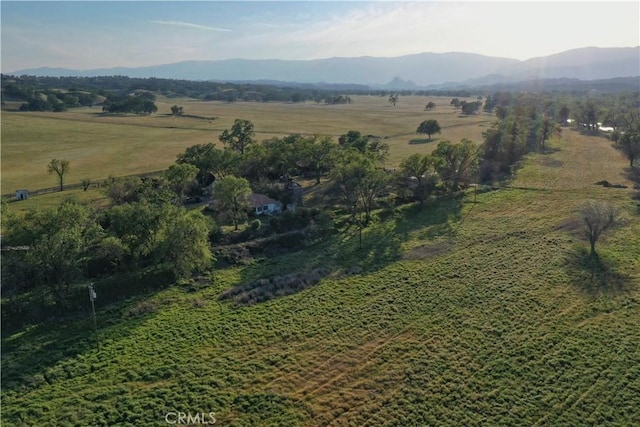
[261, 204]
[22, 194]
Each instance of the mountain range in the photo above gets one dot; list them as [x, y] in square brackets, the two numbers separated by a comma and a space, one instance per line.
[423, 70]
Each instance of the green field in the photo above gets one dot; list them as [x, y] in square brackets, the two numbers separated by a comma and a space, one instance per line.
[474, 314]
[98, 146]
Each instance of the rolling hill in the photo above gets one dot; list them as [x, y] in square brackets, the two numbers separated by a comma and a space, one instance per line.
[421, 70]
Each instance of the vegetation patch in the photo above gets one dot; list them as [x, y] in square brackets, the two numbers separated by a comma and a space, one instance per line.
[143, 308]
[265, 289]
[428, 251]
[606, 184]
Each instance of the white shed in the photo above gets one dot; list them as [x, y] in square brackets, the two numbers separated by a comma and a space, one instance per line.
[22, 194]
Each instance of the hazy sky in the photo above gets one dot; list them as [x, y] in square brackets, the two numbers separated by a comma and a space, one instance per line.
[105, 34]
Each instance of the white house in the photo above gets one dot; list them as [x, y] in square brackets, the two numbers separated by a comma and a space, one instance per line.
[22, 194]
[263, 205]
[259, 204]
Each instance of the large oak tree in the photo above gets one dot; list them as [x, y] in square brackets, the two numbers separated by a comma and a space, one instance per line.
[429, 127]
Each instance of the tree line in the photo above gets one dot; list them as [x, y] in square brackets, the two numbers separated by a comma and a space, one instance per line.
[525, 123]
[353, 166]
[85, 91]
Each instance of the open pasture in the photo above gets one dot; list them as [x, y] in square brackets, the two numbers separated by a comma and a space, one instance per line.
[98, 145]
[457, 314]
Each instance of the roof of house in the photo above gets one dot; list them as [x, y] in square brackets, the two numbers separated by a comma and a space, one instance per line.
[257, 199]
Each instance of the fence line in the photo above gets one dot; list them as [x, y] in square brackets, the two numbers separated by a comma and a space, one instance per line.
[79, 185]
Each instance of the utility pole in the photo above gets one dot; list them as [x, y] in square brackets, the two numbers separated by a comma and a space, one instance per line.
[360, 226]
[92, 297]
[475, 191]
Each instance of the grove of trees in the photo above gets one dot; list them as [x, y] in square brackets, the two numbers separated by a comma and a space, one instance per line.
[146, 225]
[418, 174]
[137, 104]
[469, 108]
[74, 242]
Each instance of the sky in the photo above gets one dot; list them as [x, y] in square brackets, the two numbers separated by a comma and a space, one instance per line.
[85, 35]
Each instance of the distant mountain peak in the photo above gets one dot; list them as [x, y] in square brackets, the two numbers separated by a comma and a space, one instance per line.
[399, 83]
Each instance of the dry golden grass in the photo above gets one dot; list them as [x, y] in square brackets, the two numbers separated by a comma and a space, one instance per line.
[580, 162]
[93, 196]
[98, 146]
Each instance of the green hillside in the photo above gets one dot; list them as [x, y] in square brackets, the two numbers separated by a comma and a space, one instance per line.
[455, 314]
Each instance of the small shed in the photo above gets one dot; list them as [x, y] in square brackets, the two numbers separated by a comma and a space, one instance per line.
[22, 194]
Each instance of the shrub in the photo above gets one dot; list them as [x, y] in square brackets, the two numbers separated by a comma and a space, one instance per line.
[255, 225]
[232, 255]
[197, 303]
[293, 220]
[293, 240]
[144, 307]
[322, 224]
[265, 289]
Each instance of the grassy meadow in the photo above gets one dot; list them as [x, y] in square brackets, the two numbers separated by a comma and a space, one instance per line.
[458, 313]
[98, 146]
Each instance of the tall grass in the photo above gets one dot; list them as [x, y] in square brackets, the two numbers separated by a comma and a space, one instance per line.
[98, 146]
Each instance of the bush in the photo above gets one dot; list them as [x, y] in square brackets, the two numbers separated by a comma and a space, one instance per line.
[289, 241]
[144, 307]
[255, 225]
[232, 255]
[322, 224]
[293, 220]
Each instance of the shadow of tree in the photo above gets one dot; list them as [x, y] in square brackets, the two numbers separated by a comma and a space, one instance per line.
[37, 355]
[33, 356]
[550, 150]
[351, 251]
[596, 274]
[417, 141]
[551, 163]
[39, 306]
[632, 174]
[382, 242]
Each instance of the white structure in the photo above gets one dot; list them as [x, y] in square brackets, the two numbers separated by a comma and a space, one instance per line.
[263, 205]
[22, 194]
[259, 204]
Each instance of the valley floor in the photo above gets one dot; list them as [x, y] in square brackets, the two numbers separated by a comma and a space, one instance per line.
[457, 314]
